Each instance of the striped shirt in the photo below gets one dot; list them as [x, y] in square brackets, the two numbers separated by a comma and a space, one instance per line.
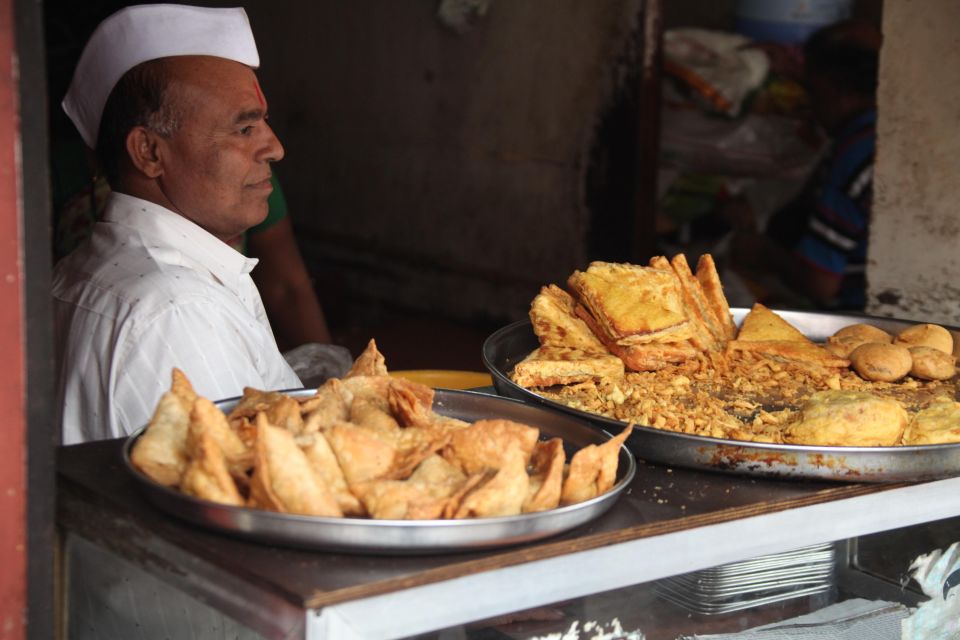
[835, 238]
[151, 291]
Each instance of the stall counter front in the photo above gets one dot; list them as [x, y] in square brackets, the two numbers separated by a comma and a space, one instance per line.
[132, 568]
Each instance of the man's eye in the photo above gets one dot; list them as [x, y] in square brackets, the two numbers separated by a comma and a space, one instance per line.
[246, 130]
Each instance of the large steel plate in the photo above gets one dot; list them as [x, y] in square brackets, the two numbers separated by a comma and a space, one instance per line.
[408, 536]
[507, 346]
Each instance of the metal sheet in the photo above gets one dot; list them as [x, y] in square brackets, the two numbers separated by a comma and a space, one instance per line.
[408, 536]
[507, 346]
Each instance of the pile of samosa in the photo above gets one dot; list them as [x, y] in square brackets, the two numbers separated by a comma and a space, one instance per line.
[368, 445]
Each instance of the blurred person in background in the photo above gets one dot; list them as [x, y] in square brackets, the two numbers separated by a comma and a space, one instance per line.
[817, 244]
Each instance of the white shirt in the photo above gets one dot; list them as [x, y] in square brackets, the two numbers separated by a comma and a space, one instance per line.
[151, 291]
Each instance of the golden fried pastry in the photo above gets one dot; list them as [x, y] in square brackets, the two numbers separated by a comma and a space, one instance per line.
[593, 470]
[331, 404]
[369, 363]
[555, 322]
[937, 424]
[206, 475]
[283, 479]
[325, 464]
[763, 325]
[881, 362]
[546, 476]
[161, 451]
[843, 342]
[713, 290]
[932, 364]
[547, 366]
[206, 417]
[848, 418]
[252, 402]
[926, 335]
[631, 304]
[654, 355]
[697, 299]
[481, 445]
[423, 496]
[180, 386]
[504, 493]
[362, 455]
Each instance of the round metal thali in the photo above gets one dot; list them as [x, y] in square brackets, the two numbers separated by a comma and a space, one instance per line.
[408, 536]
[511, 344]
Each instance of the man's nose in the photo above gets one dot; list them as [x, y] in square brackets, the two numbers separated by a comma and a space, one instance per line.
[272, 150]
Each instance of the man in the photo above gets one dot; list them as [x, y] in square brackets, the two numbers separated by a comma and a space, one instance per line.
[818, 244]
[167, 96]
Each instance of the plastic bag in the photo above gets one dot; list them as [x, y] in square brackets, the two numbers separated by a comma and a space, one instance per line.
[315, 363]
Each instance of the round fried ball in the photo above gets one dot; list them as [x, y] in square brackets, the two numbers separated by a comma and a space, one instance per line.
[844, 341]
[932, 364]
[881, 362]
[926, 335]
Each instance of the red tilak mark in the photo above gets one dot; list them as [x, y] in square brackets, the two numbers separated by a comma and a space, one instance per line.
[256, 87]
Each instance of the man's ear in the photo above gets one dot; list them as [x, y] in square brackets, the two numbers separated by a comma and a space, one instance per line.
[144, 152]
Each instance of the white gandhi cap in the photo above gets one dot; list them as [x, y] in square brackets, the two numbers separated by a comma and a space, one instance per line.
[147, 32]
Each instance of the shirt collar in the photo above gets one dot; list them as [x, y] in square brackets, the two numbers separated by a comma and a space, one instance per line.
[170, 230]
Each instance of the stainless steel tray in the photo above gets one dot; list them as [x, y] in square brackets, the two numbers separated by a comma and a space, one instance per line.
[507, 346]
[406, 536]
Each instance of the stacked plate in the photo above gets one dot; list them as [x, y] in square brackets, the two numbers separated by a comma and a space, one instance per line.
[752, 583]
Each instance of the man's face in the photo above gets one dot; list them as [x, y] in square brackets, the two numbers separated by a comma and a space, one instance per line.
[216, 167]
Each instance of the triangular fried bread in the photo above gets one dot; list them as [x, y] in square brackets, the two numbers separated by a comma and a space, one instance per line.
[765, 332]
[631, 304]
[762, 324]
[653, 356]
[709, 280]
[556, 324]
[548, 366]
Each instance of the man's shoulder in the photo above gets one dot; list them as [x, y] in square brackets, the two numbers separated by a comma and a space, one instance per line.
[127, 274]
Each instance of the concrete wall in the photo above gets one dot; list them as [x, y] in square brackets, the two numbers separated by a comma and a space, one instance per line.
[914, 265]
[434, 170]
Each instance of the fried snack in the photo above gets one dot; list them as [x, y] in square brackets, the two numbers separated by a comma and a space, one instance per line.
[926, 335]
[283, 479]
[697, 300]
[555, 322]
[416, 444]
[330, 404]
[764, 332]
[546, 476]
[653, 356]
[548, 365]
[631, 304]
[362, 455]
[206, 417]
[932, 364]
[763, 325]
[423, 496]
[161, 451]
[252, 402]
[370, 413]
[937, 424]
[180, 386]
[206, 475]
[849, 418]
[369, 363]
[701, 338]
[410, 402]
[843, 342]
[285, 414]
[504, 493]
[481, 445]
[325, 464]
[593, 470]
[881, 362]
[713, 291]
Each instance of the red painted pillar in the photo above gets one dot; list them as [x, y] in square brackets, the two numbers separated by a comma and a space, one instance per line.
[13, 459]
